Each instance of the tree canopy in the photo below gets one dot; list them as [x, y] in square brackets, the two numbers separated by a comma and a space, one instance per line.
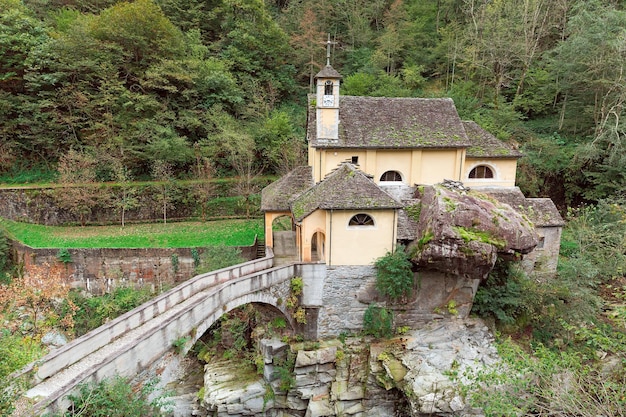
[132, 83]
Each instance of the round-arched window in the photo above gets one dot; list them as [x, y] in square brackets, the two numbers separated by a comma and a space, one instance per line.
[391, 176]
[481, 171]
[328, 88]
[361, 219]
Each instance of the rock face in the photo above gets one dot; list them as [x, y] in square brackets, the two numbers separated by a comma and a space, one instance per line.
[408, 376]
[462, 232]
[436, 358]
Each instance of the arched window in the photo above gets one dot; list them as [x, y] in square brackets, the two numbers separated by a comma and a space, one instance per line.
[391, 176]
[481, 171]
[328, 88]
[361, 219]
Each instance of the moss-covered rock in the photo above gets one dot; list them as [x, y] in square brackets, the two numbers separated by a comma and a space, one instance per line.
[466, 231]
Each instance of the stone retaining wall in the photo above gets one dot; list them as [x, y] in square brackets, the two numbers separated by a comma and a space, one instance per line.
[100, 270]
[41, 205]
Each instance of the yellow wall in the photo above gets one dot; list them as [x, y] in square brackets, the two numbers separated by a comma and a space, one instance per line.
[504, 171]
[359, 245]
[315, 222]
[349, 245]
[328, 123]
[270, 216]
[415, 166]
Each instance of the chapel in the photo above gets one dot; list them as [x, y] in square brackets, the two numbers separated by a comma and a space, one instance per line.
[367, 156]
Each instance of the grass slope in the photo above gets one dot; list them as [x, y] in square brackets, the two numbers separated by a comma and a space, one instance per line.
[154, 235]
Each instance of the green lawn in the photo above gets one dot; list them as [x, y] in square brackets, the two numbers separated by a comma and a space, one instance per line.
[154, 235]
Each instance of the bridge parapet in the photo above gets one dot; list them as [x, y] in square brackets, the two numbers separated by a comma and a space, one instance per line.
[186, 311]
[79, 348]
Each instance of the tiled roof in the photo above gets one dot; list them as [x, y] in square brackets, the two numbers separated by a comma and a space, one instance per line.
[408, 224]
[485, 145]
[345, 188]
[328, 72]
[541, 211]
[395, 123]
[278, 195]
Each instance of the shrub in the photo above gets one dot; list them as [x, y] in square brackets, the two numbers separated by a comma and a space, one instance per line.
[501, 295]
[91, 312]
[15, 352]
[378, 322]
[297, 285]
[394, 277]
[544, 382]
[64, 256]
[5, 258]
[115, 397]
[283, 370]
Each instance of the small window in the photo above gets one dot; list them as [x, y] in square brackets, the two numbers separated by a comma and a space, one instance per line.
[541, 243]
[361, 219]
[391, 176]
[481, 171]
[355, 160]
[328, 88]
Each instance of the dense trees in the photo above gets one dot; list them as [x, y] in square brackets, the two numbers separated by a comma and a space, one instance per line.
[133, 83]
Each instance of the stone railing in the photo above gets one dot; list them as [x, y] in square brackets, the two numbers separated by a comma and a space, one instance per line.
[79, 348]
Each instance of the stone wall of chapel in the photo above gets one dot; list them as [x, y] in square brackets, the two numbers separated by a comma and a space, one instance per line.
[349, 290]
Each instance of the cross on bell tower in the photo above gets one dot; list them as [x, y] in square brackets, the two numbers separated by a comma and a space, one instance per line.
[328, 45]
[327, 99]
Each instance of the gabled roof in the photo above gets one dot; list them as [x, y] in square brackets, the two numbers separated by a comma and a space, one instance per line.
[345, 188]
[408, 224]
[278, 195]
[485, 145]
[328, 72]
[541, 211]
[394, 123]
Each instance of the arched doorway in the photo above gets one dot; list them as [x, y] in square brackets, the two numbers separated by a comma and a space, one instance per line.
[284, 240]
[318, 247]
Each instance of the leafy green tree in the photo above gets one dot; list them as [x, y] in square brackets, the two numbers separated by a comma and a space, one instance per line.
[126, 199]
[259, 53]
[162, 172]
[394, 276]
[77, 173]
[278, 144]
[391, 42]
[205, 189]
[141, 30]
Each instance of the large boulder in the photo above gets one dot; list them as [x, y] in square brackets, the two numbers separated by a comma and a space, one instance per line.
[462, 232]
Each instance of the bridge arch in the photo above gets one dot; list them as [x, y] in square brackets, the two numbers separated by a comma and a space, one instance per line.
[214, 317]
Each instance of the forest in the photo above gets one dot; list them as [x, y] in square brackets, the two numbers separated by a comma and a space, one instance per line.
[104, 90]
[191, 88]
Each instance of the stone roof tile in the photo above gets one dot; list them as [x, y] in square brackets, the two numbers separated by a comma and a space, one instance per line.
[541, 211]
[345, 188]
[393, 123]
[408, 223]
[278, 195]
[485, 145]
[328, 72]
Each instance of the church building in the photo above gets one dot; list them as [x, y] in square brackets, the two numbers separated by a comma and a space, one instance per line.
[367, 156]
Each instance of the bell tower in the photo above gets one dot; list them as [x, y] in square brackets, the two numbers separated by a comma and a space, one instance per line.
[327, 99]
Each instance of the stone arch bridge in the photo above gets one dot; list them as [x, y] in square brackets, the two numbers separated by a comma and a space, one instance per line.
[132, 342]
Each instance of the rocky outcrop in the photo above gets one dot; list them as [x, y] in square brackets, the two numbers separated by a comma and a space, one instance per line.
[417, 374]
[462, 232]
